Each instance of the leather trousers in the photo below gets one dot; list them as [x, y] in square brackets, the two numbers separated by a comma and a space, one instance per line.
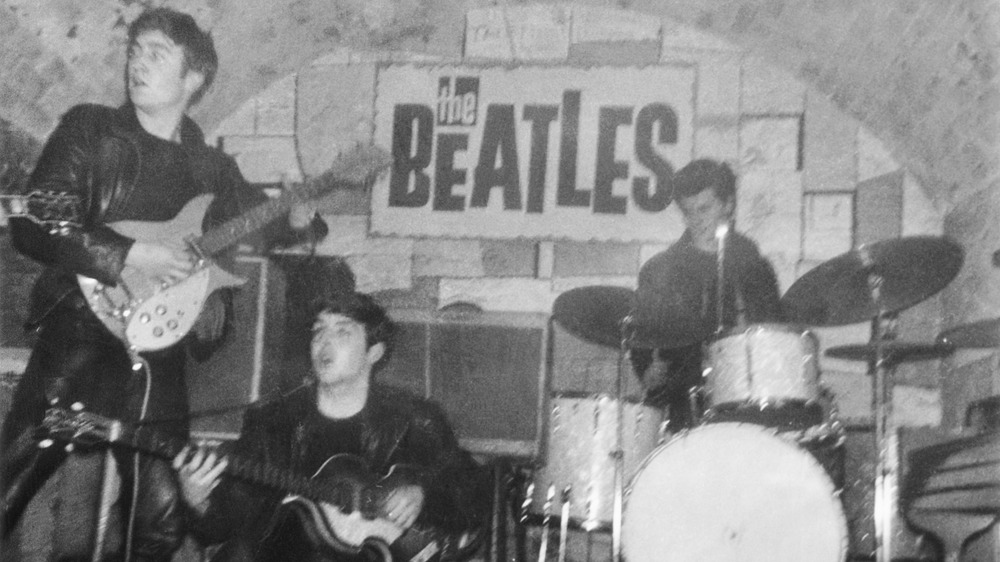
[77, 360]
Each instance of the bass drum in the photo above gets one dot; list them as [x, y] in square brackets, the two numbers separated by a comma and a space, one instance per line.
[730, 491]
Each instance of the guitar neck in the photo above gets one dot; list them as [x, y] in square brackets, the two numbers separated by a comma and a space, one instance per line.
[353, 167]
[235, 229]
[168, 447]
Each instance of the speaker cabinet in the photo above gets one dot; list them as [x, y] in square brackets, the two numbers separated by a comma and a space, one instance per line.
[486, 369]
[240, 371]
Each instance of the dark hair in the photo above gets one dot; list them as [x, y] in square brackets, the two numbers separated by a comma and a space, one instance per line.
[703, 174]
[363, 309]
[198, 46]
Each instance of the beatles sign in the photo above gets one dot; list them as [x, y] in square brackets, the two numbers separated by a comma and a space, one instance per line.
[540, 152]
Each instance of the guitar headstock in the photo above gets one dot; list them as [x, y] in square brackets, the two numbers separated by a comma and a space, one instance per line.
[80, 427]
[43, 207]
[353, 168]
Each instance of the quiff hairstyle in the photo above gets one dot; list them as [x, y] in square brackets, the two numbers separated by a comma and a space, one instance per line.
[198, 46]
[699, 175]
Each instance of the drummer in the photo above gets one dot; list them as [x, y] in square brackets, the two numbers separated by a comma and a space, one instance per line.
[678, 286]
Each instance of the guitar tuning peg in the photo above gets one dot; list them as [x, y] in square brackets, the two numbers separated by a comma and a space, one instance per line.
[77, 407]
[45, 443]
[69, 447]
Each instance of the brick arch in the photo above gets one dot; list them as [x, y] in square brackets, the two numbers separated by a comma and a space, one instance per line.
[920, 75]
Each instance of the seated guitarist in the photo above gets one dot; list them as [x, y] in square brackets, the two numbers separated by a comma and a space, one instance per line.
[143, 161]
[323, 429]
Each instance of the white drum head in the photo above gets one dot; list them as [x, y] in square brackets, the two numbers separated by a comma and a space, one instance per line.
[732, 492]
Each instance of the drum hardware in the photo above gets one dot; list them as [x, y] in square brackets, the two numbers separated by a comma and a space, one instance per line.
[564, 522]
[546, 519]
[893, 351]
[721, 240]
[883, 354]
[875, 282]
[695, 399]
[983, 334]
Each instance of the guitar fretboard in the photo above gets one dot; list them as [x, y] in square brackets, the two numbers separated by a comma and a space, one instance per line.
[352, 168]
[168, 447]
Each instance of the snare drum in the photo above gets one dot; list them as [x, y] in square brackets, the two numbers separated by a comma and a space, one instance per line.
[732, 491]
[580, 446]
[761, 365]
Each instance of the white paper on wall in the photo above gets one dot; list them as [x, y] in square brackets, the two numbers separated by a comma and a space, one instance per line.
[532, 151]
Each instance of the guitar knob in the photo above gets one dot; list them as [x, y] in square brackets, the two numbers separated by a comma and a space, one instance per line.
[144, 318]
[161, 310]
[172, 324]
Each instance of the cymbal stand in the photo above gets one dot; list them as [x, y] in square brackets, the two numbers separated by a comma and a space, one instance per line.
[881, 369]
[618, 454]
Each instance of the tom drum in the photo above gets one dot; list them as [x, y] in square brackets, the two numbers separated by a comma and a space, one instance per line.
[580, 444]
[760, 366]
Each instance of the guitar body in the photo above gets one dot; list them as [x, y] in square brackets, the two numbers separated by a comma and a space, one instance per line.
[147, 316]
[339, 509]
[142, 312]
[361, 526]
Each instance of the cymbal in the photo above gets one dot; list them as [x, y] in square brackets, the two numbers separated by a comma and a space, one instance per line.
[594, 313]
[892, 351]
[664, 320]
[837, 292]
[981, 334]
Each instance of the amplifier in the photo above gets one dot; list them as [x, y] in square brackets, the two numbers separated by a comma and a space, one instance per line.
[242, 369]
[486, 369]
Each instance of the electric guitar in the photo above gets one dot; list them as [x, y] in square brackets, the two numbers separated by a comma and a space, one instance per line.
[340, 505]
[148, 315]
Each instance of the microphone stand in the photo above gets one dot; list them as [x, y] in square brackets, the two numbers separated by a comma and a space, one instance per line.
[721, 237]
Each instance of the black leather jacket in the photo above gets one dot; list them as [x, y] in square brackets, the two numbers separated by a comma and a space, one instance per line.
[91, 161]
[399, 431]
[90, 167]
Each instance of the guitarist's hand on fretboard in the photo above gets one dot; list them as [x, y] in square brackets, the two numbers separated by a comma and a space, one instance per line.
[198, 475]
[167, 263]
[300, 215]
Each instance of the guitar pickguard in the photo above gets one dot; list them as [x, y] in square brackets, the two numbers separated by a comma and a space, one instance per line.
[150, 317]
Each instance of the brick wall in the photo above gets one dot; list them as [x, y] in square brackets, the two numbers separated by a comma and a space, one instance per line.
[802, 164]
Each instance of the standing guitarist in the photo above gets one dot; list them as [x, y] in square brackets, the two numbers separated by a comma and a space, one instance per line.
[390, 461]
[142, 161]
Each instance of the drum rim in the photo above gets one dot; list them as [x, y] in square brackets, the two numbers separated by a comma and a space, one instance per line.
[584, 394]
[787, 327]
[834, 493]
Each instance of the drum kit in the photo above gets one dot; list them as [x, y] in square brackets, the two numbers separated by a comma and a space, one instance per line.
[726, 490]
